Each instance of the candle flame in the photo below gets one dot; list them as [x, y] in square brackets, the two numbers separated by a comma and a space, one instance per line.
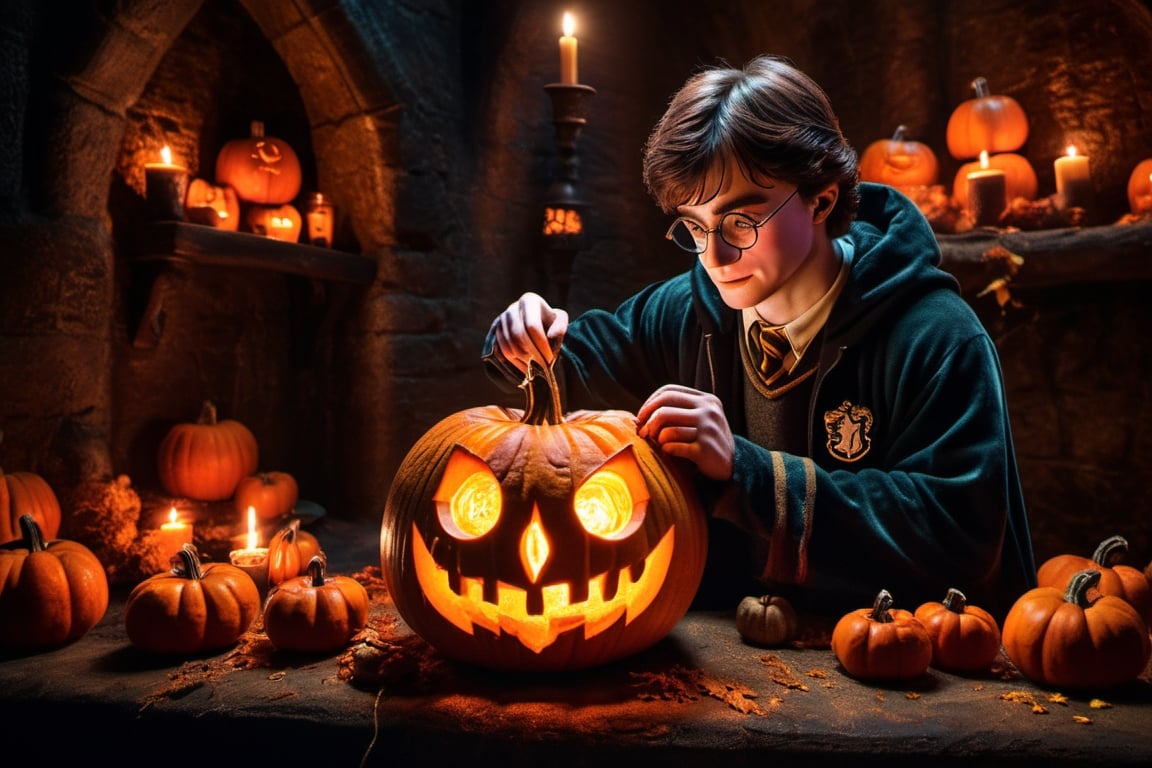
[252, 541]
[172, 515]
[1071, 150]
[569, 24]
[166, 155]
[983, 159]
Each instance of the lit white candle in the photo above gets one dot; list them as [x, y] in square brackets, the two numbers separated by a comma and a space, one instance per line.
[252, 558]
[1073, 180]
[568, 51]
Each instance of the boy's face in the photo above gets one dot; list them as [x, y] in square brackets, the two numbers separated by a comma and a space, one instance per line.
[779, 265]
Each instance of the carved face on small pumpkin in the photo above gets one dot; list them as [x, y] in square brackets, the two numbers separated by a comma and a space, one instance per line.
[540, 546]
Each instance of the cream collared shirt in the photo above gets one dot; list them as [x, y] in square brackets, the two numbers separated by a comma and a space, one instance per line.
[801, 331]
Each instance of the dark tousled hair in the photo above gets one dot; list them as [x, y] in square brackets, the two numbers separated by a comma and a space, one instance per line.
[773, 119]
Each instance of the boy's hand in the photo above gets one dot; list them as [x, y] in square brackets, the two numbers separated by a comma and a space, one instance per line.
[688, 423]
[530, 329]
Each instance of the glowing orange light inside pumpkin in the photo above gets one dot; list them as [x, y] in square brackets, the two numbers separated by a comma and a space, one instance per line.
[534, 549]
[604, 505]
[509, 614]
[562, 221]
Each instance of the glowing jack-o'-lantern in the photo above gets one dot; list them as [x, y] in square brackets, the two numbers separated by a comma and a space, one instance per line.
[212, 206]
[524, 541]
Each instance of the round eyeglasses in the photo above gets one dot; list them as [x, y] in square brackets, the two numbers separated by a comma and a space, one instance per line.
[737, 229]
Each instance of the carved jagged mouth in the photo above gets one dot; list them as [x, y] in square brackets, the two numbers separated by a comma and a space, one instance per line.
[468, 609]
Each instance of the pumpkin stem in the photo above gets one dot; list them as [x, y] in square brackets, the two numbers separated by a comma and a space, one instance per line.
[980, 85]
[898, 134]
[954, 600]
[881, 607]
[33, 536]
[1111, 551]
[207, 413]
[316, 571]
[186, 563]
[542, 396]
[1079, 585]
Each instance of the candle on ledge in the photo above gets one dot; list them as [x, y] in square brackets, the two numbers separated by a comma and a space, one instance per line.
[165, 187]
[319, 217]
[568, 52]
[174, 534]
[252, 558]
[987, 194]
[1073, 180]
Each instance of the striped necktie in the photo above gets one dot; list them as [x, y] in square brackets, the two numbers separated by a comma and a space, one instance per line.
[769, 346]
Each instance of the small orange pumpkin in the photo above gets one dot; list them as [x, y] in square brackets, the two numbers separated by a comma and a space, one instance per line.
[1070, 639]
[882, 642]
[272, 494]
[284, 554]
[965, 638]
[51, 592]
[262, 169]
[986, 123]
[1117, 579]
[315, 613]
[1019, 178]
[1140, 187]
[26, 493]
[211, 205]
[309, 547]
[194, 608]
[279, 222]
[208, 459]
[899, 162]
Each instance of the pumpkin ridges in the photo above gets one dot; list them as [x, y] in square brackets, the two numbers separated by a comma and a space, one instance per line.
[514, 452]
[1076, 638]
[29, 493]
[51, 593]
[206, 460]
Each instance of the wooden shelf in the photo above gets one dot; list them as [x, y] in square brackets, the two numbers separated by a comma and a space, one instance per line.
[1049, 257]
[177, 241]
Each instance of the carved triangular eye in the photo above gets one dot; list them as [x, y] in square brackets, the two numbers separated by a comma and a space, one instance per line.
[469, 499]
[611, 501]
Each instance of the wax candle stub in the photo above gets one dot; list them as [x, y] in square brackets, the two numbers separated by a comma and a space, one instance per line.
[165, 187]
[987, 194]
[1073, 180]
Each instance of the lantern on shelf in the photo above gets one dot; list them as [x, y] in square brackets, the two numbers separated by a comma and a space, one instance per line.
[987, 122]
[899, 162]
[527, 541]
[262, 169]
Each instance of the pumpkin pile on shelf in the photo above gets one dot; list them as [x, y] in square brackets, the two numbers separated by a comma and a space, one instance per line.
[257, 178]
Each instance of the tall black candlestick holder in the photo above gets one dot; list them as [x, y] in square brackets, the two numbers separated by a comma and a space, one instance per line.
[564, 204]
